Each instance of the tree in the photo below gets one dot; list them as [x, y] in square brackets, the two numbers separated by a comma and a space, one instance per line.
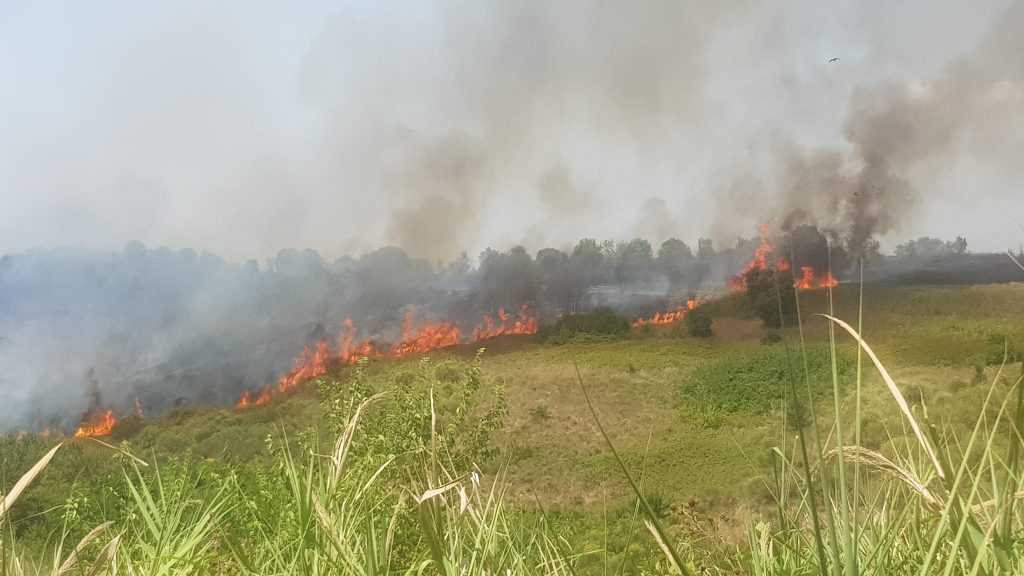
[457, 271]
[927, 247]
[705, 250]
[389, 279]
[556, 277]
[631, 262]
[809, 247]
[674, 260]
[587, 266]
[507, 278]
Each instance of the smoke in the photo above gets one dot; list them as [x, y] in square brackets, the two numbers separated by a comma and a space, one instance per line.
[440, 128]
[438, 187]
[524, 95]
[899, 135]
[434, 127]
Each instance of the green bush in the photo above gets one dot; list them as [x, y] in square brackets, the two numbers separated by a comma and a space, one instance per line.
[757, 382]
[698, 322]
[771, 292]
[601, 322]
[1000, 348]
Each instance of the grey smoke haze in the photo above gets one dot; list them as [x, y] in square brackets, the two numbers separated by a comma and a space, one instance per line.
[972, 109]
[245, 127]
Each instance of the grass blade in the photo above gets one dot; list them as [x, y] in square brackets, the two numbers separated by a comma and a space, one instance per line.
[895, 391]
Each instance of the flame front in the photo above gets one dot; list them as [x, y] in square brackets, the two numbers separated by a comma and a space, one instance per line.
[667, 317]
[429, 336]
[98, 424]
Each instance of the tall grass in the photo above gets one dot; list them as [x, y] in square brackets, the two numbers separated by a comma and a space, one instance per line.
[340, 512]
[939, 503]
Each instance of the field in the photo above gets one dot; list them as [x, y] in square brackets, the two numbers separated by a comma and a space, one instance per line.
[694, 422]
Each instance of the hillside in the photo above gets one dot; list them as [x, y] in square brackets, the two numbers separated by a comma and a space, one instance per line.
[694, 417]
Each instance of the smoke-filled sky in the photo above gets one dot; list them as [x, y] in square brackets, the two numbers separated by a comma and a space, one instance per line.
[245, 127]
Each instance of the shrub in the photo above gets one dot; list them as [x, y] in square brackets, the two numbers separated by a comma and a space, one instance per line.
[602, 321]
[757, 382]
[539, 413]
[765, 288]
[698, 322]
[1001, 348]
[771, 336]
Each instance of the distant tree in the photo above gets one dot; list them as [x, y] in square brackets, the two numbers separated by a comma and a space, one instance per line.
[389, 279]
[587, 266]
[555, 274]
[457, 271]
[927, 247]
[699, 322]
[809, 247]
[870, 251]
[507, 278]
[134, 250]
[705, 250]
[297, 263]
[632, 260]
[674, 260]
[906, 250]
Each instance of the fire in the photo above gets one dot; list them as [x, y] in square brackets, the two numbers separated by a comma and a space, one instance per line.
[98, 424]
[827, 280]
[430, 336]
[738, 282]
[521, 323]
[760, 262]
[807, 282]
[667, 317]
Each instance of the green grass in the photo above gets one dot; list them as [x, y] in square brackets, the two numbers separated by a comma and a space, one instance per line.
[691, 420]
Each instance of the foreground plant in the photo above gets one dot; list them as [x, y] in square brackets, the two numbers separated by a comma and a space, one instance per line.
[63, 563]
[938, 504]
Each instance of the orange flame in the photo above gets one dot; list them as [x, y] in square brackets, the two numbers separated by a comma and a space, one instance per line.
[667, 317]
[98, 424]
[738, 282]
[826, 280]
[429, 336]
[807, 281]
[760, 262]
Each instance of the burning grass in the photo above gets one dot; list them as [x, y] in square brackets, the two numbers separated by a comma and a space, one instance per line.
[415, 340]
[881, 503]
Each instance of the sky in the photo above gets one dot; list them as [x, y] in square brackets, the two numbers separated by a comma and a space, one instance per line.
[247, 127]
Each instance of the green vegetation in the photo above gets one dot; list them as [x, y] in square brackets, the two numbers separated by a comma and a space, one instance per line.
[601, 322]
[699, 322]
[640, 454]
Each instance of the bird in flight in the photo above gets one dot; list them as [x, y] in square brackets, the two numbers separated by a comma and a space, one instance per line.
[833, 60]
